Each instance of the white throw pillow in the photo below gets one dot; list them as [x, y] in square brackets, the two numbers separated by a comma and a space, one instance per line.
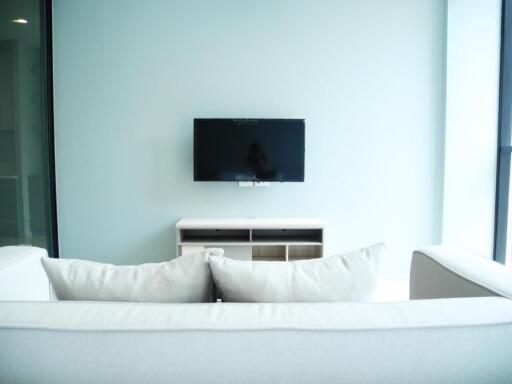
[350, 276]
[186, 279]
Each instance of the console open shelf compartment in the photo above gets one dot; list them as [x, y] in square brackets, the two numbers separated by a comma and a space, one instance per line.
[287, 235]
[215, 235]
[269, 253]
[304, 252]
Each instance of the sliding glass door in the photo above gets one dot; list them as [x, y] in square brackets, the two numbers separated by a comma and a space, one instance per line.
[27, 190]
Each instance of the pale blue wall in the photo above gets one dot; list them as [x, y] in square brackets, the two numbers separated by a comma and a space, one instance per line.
[131, 75]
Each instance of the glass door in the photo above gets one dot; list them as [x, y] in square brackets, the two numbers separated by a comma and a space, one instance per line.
[27, 208]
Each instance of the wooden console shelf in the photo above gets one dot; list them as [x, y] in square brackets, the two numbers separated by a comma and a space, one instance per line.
[253, 239]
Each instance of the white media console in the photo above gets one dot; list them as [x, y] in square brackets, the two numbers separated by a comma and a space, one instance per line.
[253, 239]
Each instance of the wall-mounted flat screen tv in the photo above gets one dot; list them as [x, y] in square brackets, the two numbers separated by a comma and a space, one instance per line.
[249, 149]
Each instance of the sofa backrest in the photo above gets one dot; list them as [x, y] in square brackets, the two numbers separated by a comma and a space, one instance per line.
[427, 341]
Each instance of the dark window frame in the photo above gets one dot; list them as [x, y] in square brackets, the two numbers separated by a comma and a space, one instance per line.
[48, 121]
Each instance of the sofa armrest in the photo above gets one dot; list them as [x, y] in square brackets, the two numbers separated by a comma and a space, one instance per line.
[444, 271]
[22, 276]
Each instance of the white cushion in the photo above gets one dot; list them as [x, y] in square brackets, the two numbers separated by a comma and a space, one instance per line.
[346, 277]
[186, 279]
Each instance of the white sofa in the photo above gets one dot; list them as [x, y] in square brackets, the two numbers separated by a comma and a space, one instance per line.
[449, 340]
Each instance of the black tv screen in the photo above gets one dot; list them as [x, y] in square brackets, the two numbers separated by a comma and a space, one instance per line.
[249, 149]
